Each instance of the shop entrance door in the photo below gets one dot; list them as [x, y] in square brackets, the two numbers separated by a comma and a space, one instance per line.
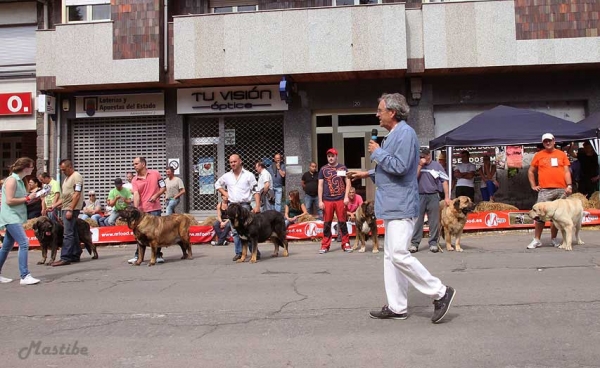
[349, 133]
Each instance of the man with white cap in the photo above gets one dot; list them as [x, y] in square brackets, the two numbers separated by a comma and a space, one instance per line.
[554, 182]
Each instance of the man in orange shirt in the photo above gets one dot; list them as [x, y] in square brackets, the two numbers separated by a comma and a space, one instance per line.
[554, 182]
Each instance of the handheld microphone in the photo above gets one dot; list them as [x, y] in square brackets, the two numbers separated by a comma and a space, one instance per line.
[374, 133]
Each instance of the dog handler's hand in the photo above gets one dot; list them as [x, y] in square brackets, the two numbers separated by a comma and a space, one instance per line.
[448, 201]
[256, 210]
[536, 188]
[355, 175]
[568, 191]
[321, 205]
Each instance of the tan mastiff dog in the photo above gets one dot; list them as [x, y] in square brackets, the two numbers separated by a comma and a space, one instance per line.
[565, 214]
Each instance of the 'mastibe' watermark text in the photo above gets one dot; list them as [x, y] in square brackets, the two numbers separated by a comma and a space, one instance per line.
[36, 348]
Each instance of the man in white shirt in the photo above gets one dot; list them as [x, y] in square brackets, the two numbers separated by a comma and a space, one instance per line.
[465, 173]
[264, 185]
[238, 186]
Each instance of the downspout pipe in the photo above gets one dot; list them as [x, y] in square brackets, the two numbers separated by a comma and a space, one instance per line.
[166, 35]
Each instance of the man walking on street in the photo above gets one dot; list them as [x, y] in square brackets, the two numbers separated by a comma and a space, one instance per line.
[71, 201]
[147, 187]
[554, 182]
[239, 186]
[310, 185]
[397, 203]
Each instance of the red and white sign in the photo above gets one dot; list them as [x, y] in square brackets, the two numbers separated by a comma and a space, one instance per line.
[497, 220]
[16, 103]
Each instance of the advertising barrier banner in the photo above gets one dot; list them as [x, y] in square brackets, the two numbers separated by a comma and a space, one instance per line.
[481, 221]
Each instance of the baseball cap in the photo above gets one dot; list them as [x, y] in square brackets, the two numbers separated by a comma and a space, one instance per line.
[332, 150]
[118, 181]
[424, 151]
[547, 136]
[91, 192]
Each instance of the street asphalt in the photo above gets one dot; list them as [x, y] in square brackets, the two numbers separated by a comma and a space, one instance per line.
[514, 308]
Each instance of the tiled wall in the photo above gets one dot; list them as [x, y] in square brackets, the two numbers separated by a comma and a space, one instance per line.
[544, 19]
[136, 28]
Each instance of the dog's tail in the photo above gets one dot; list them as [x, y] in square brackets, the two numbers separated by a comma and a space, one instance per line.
[88, 248]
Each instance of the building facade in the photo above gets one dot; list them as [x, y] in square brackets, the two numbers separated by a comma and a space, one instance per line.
[189, 82]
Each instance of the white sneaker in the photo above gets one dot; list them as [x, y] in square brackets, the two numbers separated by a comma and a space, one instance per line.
[556, 242]
[213, 243]
[160, 260]
[534, 244]
[29, 280]
[4, 280]
[132, 261]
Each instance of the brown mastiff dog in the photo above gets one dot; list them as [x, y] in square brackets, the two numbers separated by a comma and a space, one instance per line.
[158, 231]
[565, 214]
[366, 223]
[453, 219]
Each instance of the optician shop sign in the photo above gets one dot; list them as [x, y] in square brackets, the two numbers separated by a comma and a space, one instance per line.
[144, 104]
[229, 99]
[17, 103]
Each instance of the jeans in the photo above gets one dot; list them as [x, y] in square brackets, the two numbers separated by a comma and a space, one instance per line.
[222, 233]
[71, 249]
[15, 232]
[83, 216]
[430, 204]
[278, 195]
[400, 268]
[112, 219]
[310, 202]
[171, 204]
[488, 191]
[158, 252]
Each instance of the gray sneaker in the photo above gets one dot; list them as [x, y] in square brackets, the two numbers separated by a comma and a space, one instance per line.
[386, 313]
[433, 248]
[413, 249]
[442, 305]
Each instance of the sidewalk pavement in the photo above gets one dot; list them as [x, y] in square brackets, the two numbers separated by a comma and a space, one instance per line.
[514, 308]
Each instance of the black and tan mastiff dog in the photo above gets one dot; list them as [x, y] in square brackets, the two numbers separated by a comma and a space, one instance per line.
[50, 236]
[158, 231]
[366, 223]
[257, 228]
[453, 219]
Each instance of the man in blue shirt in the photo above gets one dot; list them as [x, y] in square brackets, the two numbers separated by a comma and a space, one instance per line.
[397, 203]
[277, 170]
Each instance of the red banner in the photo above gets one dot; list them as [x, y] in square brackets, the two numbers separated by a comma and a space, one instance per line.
[497, 220]
[18, 103]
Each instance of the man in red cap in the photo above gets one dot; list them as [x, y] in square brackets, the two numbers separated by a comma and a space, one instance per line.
[334, 186]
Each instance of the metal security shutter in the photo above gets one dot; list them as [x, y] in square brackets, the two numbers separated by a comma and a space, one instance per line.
[257, 137]
[18, 46]
[103, 149]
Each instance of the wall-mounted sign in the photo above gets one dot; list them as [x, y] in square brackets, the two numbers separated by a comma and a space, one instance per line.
[229, 99]
[46, 104]
[230, 137]
[18, 103]
[120, 105]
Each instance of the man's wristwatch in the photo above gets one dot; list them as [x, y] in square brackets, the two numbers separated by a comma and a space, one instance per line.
[569, 186]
